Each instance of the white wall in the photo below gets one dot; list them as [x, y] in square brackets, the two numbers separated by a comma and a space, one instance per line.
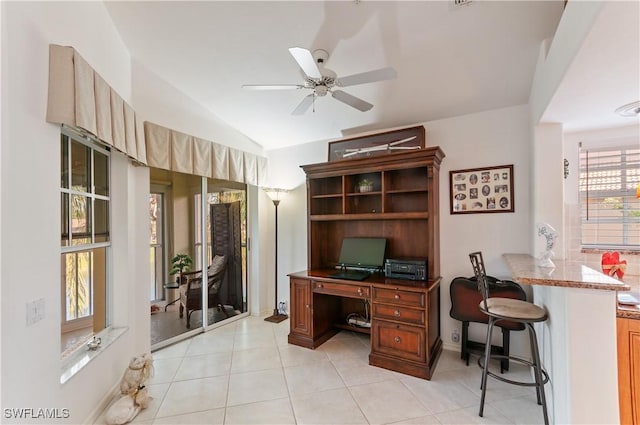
[547, 173]
[30, 194]
[161, 103]
[556, 55]
[490, 138]
[285, 172]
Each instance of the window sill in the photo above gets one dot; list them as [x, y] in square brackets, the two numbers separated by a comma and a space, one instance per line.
[74, 363]
[602, 251]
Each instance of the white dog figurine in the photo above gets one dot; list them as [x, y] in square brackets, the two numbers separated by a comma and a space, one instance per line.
[135, 396]
[139, 370]
[127, 407]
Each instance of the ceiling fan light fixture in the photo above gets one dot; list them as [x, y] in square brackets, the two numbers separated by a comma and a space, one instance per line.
[321, 90]
[629, 110]
[323, 81]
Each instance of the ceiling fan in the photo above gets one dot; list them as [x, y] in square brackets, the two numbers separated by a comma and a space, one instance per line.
[322, 80]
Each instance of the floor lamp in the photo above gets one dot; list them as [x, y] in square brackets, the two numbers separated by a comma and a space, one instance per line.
[276, 195]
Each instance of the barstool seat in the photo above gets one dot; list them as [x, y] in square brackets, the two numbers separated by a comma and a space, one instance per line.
[508, 308]
[513, 310]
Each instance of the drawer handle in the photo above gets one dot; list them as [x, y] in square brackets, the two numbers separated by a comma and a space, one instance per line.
[397, 340]
[308, 306]
[359, 291]
[396, 296]
[319, 285]
[397, 313]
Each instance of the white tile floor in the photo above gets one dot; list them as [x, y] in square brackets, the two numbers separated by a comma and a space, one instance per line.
[246, 373]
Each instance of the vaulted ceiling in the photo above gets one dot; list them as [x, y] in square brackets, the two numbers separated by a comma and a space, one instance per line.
[450, 60]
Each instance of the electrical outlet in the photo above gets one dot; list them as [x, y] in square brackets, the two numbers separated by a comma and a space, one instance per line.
[455, 336]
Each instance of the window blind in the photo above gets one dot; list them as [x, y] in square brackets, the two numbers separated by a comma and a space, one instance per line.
[610, 208]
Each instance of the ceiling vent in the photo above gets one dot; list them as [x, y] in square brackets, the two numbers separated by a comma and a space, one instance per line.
[455, 4]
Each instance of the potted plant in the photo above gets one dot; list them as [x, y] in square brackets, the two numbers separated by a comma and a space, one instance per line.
[179, 264]
[365, 185]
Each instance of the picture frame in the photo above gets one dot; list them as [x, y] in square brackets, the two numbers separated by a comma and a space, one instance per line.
[482, 190]
[384, 143]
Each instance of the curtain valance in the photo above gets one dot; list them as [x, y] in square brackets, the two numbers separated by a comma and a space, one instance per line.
[172, 150]
[80, 97]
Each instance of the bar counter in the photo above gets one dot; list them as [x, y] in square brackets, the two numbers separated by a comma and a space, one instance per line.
[569, 274]
[578, 341]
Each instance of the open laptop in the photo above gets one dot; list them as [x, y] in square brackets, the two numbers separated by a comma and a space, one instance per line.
[358, 256]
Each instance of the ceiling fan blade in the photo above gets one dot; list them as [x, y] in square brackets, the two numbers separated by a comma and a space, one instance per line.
[351, 100]
[367, 77]
[306, 61]
[272, 86]
[304, 105]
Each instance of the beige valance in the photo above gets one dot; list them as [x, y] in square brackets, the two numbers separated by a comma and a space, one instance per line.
[80, 97]
[172, 150]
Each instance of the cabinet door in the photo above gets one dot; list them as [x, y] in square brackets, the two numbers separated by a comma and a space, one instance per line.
[301, 308]
[628, 370]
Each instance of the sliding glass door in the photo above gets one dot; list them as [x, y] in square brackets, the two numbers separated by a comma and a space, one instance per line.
[225, 236]
[213, 234]
[157, 251]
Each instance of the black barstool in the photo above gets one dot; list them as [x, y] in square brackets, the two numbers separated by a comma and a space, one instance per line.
[514, 310]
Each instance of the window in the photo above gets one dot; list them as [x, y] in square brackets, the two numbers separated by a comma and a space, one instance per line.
[85, 238]
[610, 208]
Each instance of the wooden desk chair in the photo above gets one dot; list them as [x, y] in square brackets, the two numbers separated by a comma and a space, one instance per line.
[191, 288]
[517, 311]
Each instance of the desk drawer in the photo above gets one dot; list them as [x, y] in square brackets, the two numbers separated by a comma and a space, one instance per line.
[398, 340]
[401, 314]
[398, 297]
[341, 289]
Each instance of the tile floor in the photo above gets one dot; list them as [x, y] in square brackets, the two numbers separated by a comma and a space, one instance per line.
[246, 373]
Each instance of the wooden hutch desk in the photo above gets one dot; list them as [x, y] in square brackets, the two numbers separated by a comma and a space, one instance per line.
[402, 207]
[405, 317]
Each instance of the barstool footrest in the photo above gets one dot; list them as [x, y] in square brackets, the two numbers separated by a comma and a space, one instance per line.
[545, 376]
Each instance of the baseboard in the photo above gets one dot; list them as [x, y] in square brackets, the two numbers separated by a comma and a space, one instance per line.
[103, 404]
[450, 346]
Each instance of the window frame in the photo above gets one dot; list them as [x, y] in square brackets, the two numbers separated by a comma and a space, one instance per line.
[69, 135]
[626, 148]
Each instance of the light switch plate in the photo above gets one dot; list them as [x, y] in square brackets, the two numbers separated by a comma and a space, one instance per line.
[35, 311]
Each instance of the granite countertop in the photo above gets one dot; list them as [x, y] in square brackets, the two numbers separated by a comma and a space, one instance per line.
[569, 274]
[628, 311]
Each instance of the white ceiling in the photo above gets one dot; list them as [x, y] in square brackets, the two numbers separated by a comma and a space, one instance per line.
[604, 75]
[450, 60]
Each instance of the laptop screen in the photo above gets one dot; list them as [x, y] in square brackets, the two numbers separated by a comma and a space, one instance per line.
[362, 252]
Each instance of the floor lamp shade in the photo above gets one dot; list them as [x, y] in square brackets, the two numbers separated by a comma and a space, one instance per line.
[276, 196]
